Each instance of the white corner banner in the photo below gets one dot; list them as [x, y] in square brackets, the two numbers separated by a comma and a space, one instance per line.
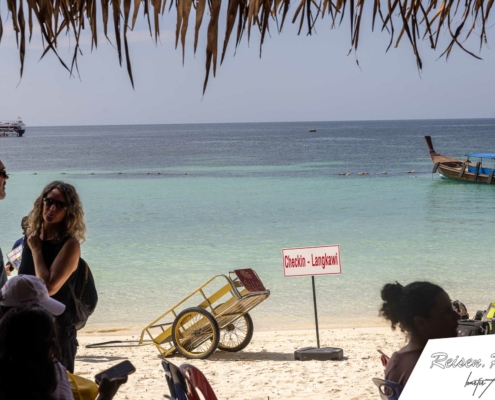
[454, 369]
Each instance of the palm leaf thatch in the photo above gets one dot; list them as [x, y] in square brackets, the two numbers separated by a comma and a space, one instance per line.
[414, 20]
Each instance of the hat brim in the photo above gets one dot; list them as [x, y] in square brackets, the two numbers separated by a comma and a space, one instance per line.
[53, 306]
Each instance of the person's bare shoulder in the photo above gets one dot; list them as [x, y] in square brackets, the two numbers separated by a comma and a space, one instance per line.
[71, 247]
[72, 243]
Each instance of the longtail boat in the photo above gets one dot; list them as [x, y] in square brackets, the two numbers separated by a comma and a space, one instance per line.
[459, 170]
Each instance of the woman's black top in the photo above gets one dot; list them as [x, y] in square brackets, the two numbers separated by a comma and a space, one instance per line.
[50, 250]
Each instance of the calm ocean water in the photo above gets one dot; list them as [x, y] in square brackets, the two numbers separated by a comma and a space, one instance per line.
[169, 206]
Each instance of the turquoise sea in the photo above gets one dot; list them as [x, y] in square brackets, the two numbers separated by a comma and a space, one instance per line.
[169, 206]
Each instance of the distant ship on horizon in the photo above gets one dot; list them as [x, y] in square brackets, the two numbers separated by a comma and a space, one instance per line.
[12, 128]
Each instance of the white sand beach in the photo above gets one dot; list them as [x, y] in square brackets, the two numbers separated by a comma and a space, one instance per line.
[266, 369]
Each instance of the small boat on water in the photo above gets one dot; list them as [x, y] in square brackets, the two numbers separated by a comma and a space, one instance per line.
[12, 128]
[459, 170]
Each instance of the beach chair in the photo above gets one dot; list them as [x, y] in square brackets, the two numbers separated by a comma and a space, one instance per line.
[388, 390]
[185, 382]
[175, 381]
[197, 382]
[179, 393]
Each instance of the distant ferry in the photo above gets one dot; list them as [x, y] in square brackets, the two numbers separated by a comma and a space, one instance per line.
[12, 128]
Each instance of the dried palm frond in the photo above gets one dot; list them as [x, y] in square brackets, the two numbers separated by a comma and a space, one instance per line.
[413, 19]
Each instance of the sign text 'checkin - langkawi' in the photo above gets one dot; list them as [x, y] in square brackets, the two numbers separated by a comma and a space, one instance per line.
[311, 261]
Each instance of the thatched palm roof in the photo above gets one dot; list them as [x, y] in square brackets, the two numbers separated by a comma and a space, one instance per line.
[411, 20]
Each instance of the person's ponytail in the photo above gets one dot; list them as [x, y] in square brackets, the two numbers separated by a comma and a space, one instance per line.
[391, 296]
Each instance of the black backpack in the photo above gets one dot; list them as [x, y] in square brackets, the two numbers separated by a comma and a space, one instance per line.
[84, 294]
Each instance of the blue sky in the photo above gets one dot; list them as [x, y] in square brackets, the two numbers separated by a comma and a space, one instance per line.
[298, 78]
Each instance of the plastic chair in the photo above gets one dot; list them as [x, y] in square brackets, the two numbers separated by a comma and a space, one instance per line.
[180, 394]
[197, 381]
[388, 390]
[175, 381]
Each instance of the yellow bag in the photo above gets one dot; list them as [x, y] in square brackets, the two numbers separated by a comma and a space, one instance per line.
[82, 388]
[490, 314]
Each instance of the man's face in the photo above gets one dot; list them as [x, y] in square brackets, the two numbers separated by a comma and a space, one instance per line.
[3, 180]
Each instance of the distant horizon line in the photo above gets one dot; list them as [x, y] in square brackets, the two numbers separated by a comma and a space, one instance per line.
[265, 122]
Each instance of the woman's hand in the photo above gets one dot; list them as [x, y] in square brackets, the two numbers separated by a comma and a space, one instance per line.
[34, 241]
[109, 387]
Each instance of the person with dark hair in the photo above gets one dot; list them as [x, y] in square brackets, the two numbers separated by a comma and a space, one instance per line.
[29, 346]
[28, 357]
[18, 243]
[423, 311]
[56, 231]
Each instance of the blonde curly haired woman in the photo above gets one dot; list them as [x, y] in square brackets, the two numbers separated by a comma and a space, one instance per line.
[56, 231]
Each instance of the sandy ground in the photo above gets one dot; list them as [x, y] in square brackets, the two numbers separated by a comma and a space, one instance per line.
[266, 369]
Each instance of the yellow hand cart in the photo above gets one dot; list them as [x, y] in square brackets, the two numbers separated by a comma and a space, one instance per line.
[221, 320]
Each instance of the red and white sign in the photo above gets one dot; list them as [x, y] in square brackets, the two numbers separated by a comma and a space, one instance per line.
[311, 261]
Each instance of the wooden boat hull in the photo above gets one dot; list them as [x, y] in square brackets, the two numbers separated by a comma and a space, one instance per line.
[458, 170]
[451, 173]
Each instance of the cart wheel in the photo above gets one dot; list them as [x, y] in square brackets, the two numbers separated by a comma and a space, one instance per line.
[195, 333]
[237, 335]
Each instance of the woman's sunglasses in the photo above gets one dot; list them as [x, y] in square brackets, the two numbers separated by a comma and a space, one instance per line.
[59, 204]
[3, 173]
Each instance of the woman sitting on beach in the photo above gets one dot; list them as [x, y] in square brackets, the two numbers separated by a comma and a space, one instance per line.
[424, 311]
[56, 229]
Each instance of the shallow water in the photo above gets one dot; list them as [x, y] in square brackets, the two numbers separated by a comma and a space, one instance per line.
[192, 201]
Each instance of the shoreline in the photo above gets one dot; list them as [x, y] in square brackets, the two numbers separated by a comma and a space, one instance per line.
[265, 369]
[135, 330]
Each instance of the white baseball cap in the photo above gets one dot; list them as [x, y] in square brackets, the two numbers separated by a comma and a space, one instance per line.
[23, 290]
